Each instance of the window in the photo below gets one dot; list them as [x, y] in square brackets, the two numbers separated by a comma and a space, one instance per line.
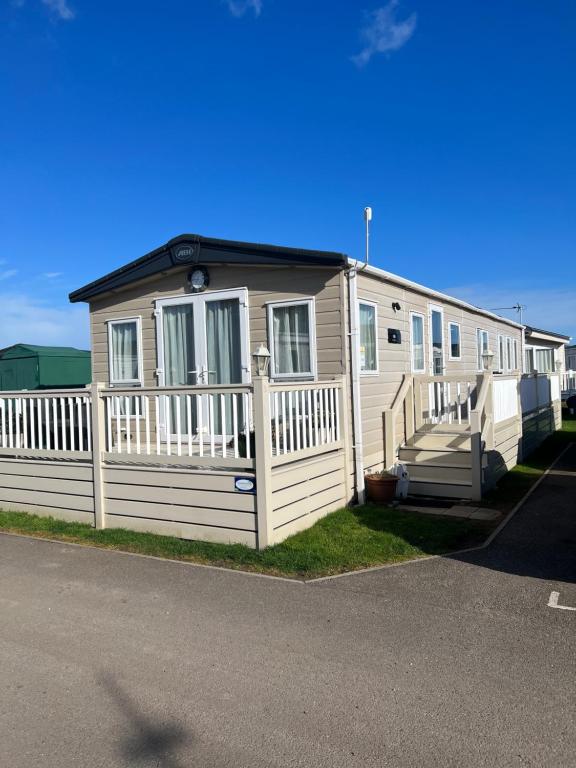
[544, 360]
[292, 347]
[454, 329]
[515, 347]
[529, 361]
[482, 345]
[417, 339]
[437, 340]
[508, 353]
[368, 338]
[501, 359]
[124, 353]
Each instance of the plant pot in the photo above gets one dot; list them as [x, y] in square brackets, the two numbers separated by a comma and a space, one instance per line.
[380, 488]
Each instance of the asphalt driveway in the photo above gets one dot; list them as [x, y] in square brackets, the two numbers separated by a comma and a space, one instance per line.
[117, 660]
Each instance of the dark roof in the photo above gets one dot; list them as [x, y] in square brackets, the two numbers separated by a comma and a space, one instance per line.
[531, 329]
[195, 249]
[35, 350]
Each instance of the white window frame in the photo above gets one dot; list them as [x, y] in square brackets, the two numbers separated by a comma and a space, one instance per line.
[375, 371]
[302, 376]
[479, 349]
[456, 325]
[126, 382]
[440, 310]
[241, 294]
[423, 318]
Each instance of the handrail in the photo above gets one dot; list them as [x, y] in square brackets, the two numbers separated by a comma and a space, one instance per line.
[405, 394]
[453, 378]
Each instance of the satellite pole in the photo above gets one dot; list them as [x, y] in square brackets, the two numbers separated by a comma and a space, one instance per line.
[367, 219]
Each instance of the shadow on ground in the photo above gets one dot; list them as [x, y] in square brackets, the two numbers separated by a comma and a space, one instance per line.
[540, 540]
[148, 742]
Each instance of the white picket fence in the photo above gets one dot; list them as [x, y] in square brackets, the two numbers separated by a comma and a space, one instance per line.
[46, 422]
[304, 417]
[201, 422]
[539, 391]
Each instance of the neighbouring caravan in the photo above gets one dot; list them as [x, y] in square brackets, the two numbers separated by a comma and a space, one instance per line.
[242, 391]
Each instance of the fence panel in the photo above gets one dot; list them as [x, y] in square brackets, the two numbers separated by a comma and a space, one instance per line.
[505, 396]
[304, 417]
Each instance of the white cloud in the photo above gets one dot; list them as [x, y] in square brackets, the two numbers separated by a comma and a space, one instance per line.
[60, 9]
[28, 320]
[8, 273]
[383, 33]
[549, 308]
[52, 275]
[240, 7]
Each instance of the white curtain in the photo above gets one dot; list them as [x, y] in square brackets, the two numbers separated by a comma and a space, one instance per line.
[124, 352]
[291, 336]
[223, 353]
[367, 337]
[179, 358]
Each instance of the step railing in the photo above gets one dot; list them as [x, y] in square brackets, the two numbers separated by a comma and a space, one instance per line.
[445, 399]
[403, 402]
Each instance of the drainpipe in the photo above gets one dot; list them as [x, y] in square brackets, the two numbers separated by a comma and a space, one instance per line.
[355, 362]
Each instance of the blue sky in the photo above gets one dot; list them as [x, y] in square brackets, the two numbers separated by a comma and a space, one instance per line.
[123, 124]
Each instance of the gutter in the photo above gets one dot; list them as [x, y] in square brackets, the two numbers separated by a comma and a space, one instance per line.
[357, 446]
[405, 283]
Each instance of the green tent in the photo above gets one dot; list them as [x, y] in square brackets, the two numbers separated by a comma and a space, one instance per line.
[27, 366]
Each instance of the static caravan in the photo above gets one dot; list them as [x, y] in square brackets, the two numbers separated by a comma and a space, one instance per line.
[242, 391]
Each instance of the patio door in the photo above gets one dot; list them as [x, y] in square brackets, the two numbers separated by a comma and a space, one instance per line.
[202, 339]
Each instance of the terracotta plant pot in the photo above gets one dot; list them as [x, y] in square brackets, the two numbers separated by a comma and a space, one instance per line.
[380, 488]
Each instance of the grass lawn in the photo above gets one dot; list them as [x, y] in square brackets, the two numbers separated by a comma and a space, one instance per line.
[343, 541]
[517, 482]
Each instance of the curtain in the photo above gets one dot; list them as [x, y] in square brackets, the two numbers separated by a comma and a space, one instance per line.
[367, 337]
[291, 336]
[224, 354]
[124, 352]
[417, 343]
[544, 360]
[179, 360]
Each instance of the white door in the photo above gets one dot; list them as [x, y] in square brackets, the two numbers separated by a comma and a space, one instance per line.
[202, 339]
[437, 389]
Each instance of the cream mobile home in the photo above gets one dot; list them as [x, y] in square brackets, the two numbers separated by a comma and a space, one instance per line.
[243, 390]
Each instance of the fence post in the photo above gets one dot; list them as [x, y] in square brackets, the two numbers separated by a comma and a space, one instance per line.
[389, 438]
[409, 412]
[263, 461]
[476, 455]
[98, 441]
[418, 408]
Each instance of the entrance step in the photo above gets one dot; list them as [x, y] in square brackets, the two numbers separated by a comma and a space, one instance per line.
[441, 487]
[441, 440]
[432, 473]
[451, 457]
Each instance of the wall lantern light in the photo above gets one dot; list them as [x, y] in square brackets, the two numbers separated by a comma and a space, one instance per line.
[487, 359]
[262, 360]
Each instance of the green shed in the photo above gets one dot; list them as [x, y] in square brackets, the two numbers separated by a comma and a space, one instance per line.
[28, 366]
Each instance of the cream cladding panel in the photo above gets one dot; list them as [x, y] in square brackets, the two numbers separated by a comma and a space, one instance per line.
[264, 284]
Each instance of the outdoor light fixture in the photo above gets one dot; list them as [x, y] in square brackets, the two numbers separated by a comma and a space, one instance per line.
[198, 279]
[558, 366]
[396, 306]
[261, 360]
[487, 358]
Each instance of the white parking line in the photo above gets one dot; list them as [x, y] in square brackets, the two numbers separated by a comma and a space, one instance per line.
[553, 602]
